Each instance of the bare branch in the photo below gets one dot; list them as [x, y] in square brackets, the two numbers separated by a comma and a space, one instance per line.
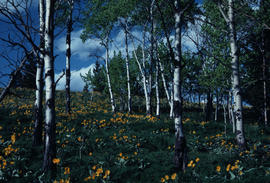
[60, 77]
[13, 77]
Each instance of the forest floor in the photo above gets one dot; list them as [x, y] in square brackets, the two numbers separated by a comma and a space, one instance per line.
[94, 145]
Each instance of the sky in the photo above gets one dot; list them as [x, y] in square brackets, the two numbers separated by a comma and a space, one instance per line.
[81, 61]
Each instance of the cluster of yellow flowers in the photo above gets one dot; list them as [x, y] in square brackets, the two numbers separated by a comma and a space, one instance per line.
[151, 118]
[122, 157]
[98, 172]
[230, 167]
[234, 167]
[9, 150]
[62, 181]
[167, 177]
[192, 163]
[56, 161]
[3, 163]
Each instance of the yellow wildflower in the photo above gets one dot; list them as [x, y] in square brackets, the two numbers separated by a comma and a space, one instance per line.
[56, 161]
[167, 177]
[228, 167]
[67, 170]
[13, 138]
[173, 176]
[197, 159]
[107, 172]
[218, 168]
[162, 179]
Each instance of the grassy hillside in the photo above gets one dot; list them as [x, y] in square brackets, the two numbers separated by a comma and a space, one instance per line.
[94, 145]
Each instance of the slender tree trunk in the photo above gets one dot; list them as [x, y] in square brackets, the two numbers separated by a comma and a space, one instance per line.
[225, 116]
[217, 104]
[157, 90]
[172, 104]
[165, 85]
[229, 101]
[50, 146]
[108, 76]
[199, 98]
[235, 79]
[68, 55]
[264, 80]
[37, 136]
[146, 83]
[209, 107]
[127, 68]
[180, 155]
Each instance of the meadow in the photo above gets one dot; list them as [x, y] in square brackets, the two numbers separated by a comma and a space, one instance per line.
[94, 145]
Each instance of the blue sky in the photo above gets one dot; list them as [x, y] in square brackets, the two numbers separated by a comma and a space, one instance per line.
[81, 62]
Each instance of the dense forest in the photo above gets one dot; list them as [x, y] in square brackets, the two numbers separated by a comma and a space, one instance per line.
[177, 91]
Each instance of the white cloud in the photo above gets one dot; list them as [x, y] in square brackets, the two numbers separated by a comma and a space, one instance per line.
[78, 48]
[76, 83]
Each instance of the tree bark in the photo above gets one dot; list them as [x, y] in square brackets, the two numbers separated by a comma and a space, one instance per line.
[217, 105]
[264, 80]
[146, 82]
[50, 146]
[209, 107]
[68, 55]
[225, 116]
[37, 136]
[237, 99]
[157, 90]
[161, 67]
[180, 155]
[108, 75]
[127, 68]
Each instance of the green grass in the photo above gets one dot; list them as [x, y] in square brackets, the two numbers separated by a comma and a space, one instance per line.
[133, 148]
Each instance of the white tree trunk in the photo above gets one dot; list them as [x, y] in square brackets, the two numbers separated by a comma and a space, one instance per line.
[50, 146]
[37, 136]
[264, 81]
[108, 76]
[169, 97]
[157, 90]
[127, 68]
[231, 111]
[225, 116]
[235, 77]
[217, 105]
[146, 83]
[180, 155]
[68, 55]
